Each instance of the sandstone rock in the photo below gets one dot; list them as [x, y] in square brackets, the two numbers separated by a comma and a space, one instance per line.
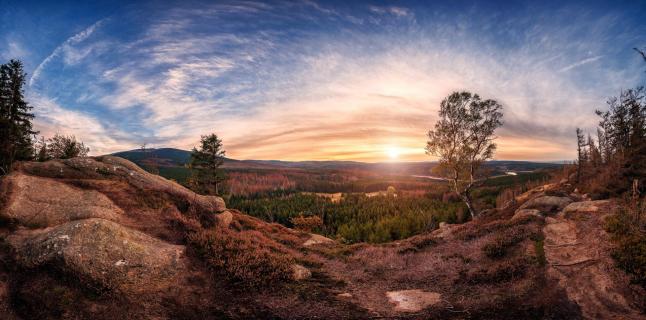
[317, 239]
[110, 167]
[536, 192]
[345, 295]
[445, 230]
[412, 300]
[300, 273]
[101, 251]
[547, 204]
[41, 202]
[225, 218]
[584, 206]
[526, 212]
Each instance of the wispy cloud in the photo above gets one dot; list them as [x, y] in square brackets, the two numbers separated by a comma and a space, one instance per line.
[13, 50]
[580, 63]
[307, 81]
[64, 49]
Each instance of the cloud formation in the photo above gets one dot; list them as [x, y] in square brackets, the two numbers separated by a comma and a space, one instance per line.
[307, 80]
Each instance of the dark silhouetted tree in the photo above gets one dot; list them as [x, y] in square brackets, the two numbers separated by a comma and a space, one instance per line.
[580, 149]
[15, 117]
[41, 146]
[463, 140]
[205, 165]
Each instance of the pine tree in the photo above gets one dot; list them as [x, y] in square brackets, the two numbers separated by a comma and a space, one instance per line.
[580, 148]
[15, 117]
[205, 164]
[594, 156]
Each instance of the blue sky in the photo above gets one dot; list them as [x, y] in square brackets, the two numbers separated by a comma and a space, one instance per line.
[314, 80]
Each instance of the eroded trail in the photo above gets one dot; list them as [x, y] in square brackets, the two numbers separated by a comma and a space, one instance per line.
[577, 250]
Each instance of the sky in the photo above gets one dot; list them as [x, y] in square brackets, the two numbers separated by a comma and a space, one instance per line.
[320, 80]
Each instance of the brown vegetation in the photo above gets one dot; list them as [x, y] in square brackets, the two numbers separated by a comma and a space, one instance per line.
[237, 266]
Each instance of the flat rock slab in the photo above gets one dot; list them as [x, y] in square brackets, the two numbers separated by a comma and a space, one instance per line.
[317, 239]
[102, 252]
[412, 300]
[40, 202]
[585, 206]
[547, 204]
[111, 167]
[521, 213]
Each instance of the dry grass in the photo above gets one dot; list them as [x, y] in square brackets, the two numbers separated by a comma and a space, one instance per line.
[472, 230]
[507, 270]
[246, 256]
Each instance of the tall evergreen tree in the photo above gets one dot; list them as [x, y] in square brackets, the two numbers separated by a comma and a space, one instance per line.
[580, 148]
[15, 117]
[205, 165]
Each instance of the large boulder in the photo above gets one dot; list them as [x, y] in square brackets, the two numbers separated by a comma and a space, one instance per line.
[316, 239]
[521, 213]
[536, 192]
[101, 252]
[111, 167]
[300, 272]
[547, 204]
[41, 202]
[585, 206]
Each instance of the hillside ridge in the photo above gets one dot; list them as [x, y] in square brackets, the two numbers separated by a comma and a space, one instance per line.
[101, 238]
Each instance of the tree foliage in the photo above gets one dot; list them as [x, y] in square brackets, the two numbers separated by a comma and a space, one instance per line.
[463, 139]
[61, 147]
[617, 159]
[15, 117]
[357, 217]
[205, 165]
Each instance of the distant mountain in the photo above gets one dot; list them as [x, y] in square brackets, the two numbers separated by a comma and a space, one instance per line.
[161, 156]
[171, 157]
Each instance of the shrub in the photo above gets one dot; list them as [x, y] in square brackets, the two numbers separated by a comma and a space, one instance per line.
[539, 248]
[307, 224]
[630, 245]
[501, 243]
[418, 243]
[630, 255]
[504, 271]
[242, 256]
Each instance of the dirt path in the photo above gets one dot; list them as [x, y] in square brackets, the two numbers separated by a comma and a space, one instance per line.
[578, 252]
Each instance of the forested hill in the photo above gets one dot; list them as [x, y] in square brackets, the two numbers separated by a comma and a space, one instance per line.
[171, 157]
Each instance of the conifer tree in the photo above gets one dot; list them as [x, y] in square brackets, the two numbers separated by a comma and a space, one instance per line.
[580, 148]
[205, 165]
[15, 117]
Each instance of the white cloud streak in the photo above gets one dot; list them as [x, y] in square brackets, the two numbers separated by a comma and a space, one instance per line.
[580, 63]
[65, 50]
[350, 94]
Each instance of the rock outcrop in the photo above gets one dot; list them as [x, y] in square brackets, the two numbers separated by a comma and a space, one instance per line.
[115, 168]
[67, 217]
[103, 252]
[577, 250]
[41, 202]
[316, 239]
[547, 204]
[412, 300]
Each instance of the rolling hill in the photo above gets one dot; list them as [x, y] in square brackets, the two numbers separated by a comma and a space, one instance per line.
[171, 157]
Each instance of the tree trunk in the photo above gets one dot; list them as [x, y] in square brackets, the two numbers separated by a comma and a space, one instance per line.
[465, 194]
[467, 200]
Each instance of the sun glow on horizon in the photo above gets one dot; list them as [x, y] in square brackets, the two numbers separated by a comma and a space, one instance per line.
[393, 152]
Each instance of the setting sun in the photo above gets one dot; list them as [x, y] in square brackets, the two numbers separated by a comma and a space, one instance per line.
[393, 152]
